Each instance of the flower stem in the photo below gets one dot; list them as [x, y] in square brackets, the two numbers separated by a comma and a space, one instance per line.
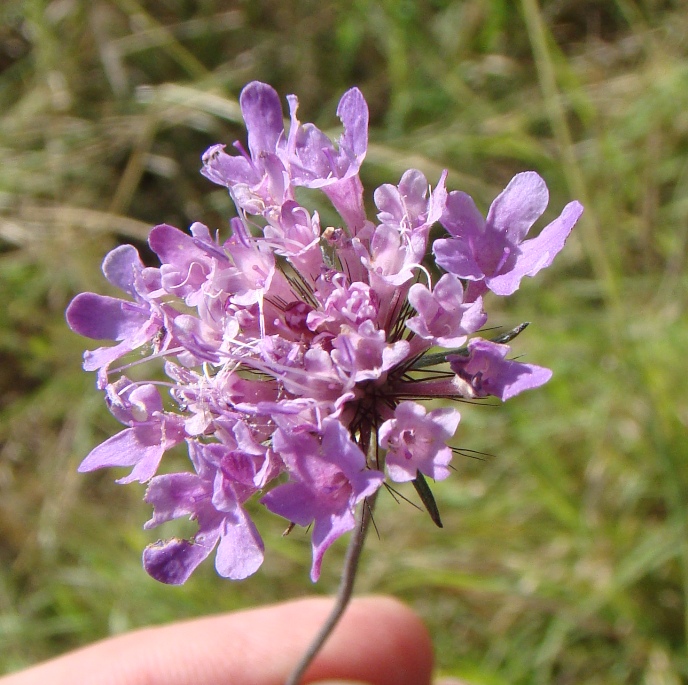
[346, 587]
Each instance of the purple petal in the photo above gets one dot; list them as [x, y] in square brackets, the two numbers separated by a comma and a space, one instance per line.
[438, 200]
[456, 256]
[461, 217]
[121, 267]
[293, 501]
[175, 247]
[518, 206]
[403, 205]
[146, 398]
[174, 495]
[325, 532]
[262, 111]
[103, 357]
[347, 198]
[197, 337]
[488, 372]
[353, 113]
[539, 252]
[173, 561]
[105, 318]
[518, 377]
[330, 478]
[226, 170]
[313, 168]
[240, 552]
[340, 449]
[131, 447]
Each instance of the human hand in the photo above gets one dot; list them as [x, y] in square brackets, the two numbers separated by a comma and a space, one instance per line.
[379, 641]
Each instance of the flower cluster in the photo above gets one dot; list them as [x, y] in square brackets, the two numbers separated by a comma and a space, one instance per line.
[297, 356]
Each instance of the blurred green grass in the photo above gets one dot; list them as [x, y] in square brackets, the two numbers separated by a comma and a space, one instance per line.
[564, 558]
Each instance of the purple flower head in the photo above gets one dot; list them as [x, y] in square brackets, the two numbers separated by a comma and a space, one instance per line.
[297, 357]
[494, 253]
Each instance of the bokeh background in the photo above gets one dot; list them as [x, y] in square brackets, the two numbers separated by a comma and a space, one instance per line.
[564, 556]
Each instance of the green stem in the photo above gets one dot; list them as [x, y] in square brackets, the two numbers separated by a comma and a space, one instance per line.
[346, 587]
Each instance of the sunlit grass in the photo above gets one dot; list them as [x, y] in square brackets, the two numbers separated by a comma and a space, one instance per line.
[564, 556]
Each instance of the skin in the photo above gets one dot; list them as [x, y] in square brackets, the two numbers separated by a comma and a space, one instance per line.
[379, 641]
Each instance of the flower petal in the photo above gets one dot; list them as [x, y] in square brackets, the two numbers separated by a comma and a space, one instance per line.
[262, 111]
[539, 252]
[240, 552]
[518, 206]
[173, 561]
[105, 318]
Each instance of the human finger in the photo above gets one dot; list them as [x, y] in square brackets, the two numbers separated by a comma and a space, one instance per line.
[379, 641]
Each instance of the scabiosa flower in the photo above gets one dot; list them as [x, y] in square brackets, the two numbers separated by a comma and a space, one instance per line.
[298, 356]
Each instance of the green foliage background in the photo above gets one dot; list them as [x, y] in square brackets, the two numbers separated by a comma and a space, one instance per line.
[564, 558]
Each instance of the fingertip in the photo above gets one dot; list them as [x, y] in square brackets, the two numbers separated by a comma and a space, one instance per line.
[380, 641]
